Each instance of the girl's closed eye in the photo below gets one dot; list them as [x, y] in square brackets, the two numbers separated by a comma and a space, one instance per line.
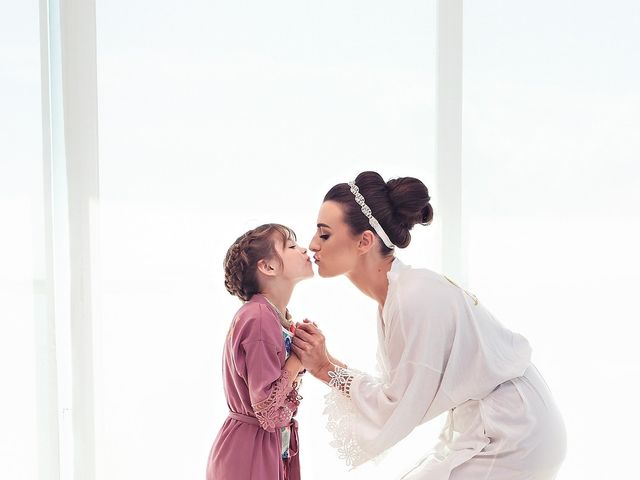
[325, 236]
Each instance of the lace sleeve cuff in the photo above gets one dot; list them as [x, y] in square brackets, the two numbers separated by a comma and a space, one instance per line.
[340, 379]
[342, 416]
[276, 410]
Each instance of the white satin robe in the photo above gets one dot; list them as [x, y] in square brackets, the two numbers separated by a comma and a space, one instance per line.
[441, 350]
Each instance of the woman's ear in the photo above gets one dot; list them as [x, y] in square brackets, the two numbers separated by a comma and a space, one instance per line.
[367, 241]
[266, 268]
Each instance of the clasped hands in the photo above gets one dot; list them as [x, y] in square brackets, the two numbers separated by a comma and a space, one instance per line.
[309, 345]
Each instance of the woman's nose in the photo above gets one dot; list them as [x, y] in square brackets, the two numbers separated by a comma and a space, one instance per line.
[312, 246]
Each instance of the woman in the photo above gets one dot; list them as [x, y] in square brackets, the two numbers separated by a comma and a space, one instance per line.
[439, 350]
[259, 440]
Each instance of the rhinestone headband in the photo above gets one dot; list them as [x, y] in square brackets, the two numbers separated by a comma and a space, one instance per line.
[367, 211]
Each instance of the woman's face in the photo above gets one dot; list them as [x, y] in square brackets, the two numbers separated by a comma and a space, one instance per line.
[335, 247]
[296, 263]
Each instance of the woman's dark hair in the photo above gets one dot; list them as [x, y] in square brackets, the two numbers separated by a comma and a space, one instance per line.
[398, 205]
[241, 260]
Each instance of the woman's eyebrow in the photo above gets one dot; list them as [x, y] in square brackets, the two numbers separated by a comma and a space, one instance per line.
[323, 225]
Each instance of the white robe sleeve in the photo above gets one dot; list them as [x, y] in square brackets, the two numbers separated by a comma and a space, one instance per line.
[369, 414]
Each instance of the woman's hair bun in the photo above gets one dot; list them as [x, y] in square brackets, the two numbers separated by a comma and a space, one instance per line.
[397, 205]
[410, 199]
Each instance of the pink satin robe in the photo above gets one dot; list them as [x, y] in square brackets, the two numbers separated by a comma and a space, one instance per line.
[260, 401]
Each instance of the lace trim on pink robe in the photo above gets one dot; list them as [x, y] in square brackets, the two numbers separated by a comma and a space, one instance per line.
[277, 409]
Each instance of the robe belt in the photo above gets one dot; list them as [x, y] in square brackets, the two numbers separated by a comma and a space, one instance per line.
[244, 418]
[293, 443]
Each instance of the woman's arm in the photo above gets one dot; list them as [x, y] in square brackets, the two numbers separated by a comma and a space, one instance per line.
[326, 372]
[335, 361]
[368, 414]
[308, 344]
[331, 358]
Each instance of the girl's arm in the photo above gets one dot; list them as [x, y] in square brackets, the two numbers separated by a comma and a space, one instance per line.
[293, 365]
[271, 384]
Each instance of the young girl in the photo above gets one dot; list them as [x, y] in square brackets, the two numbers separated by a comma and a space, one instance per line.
[258, 440]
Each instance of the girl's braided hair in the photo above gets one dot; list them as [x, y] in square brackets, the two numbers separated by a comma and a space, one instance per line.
[241, 260]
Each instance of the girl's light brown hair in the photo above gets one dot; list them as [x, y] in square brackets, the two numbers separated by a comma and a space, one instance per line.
[241, 260]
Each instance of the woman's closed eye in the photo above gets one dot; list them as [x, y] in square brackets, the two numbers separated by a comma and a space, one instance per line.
[325, 236]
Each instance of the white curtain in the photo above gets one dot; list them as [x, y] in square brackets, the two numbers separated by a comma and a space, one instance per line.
[23, 308]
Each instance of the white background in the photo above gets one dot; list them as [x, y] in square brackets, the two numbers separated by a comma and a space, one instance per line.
[215, 117]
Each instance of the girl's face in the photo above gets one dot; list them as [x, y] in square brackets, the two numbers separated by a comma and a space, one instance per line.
[335, 247]
[296, 263]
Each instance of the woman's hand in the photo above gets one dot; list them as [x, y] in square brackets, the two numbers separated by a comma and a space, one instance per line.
[309, 346]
